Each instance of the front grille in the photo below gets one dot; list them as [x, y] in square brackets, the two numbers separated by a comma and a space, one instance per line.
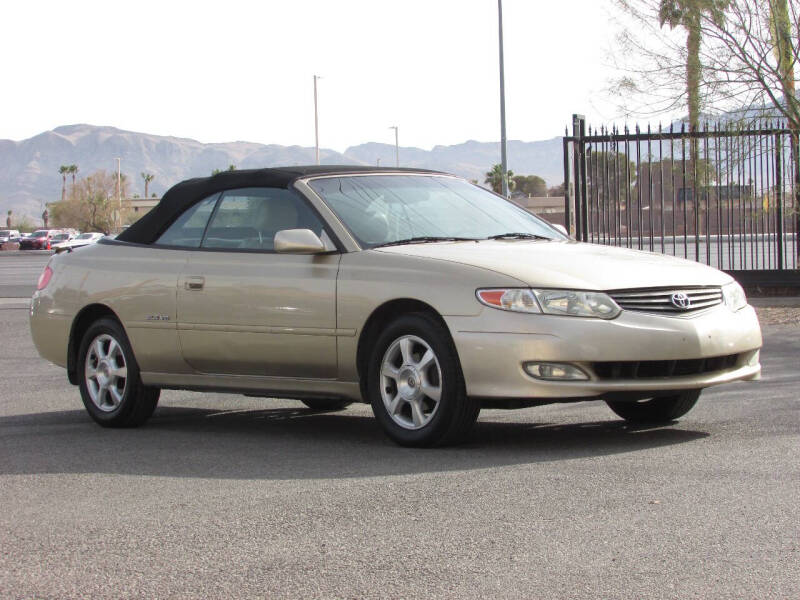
[668, 300]
[647, 369]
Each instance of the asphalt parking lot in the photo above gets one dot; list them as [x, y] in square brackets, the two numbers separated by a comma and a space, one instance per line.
[222, 496]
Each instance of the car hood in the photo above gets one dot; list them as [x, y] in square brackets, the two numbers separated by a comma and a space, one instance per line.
[569, 264]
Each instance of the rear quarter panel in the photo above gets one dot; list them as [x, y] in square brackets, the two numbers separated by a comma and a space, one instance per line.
[138, 283]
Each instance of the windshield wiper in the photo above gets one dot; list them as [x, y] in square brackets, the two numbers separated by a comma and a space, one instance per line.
[518, 236]
[424, 239]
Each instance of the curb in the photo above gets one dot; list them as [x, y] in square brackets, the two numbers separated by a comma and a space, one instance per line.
[21, 253]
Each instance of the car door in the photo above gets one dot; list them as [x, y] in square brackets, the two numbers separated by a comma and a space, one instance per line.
[244, 309]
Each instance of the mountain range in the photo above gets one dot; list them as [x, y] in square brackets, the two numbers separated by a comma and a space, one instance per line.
[29, 168]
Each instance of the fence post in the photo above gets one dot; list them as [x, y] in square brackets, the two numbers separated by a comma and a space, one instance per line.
[584, 185]
[567, 195]
[577, 154]
[795, 160]
[579, 162]
[779, 196]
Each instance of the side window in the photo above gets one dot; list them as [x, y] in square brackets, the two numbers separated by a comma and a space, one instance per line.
[249, 218]
[187, 230]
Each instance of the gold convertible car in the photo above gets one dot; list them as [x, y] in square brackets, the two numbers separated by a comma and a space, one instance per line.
[417, 292]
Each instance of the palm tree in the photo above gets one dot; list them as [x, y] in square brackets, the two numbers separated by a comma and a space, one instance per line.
[148, 177]
[73, 170]
[781, 29]
[63, 170]
[495, 179]
[688, 14]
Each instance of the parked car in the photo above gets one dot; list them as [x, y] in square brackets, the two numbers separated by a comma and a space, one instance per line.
[9, 235]
[60, 238]
[38, 240]
[84, 239]
[417, 292]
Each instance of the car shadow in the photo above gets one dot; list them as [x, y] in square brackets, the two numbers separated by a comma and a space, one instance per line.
[282, 443]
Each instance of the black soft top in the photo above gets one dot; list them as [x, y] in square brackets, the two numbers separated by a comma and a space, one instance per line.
[184, 194]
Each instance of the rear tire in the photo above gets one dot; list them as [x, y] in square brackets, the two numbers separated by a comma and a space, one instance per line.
[111, 388]
[656, 410]
[324, 404]
[415, 384]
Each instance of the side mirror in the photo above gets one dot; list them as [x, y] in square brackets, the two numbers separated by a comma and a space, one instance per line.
[560, 228]
[298, 241]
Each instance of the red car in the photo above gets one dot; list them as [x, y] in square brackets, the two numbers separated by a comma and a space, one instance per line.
[38, 240]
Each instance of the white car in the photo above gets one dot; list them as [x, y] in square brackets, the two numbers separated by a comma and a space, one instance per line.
[83, 239]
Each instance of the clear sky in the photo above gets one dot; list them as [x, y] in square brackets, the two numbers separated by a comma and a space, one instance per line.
[237, 70]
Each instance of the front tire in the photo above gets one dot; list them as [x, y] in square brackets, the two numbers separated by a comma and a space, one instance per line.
[111, 388]
[415, 384]
[656, 410]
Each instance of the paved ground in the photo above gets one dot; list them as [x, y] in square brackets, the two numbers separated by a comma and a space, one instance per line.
[19, 272]
[224, 497]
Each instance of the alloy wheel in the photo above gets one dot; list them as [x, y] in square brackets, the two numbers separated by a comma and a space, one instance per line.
[106, 373]
[411, 382]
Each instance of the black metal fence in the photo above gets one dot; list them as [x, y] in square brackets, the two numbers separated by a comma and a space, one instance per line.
[724, 196]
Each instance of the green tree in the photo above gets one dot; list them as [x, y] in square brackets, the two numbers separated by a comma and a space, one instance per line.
[611, 175]
[218, 171]
[25, 223]
[495, 179]
[73, 170]
[63, 171]
[148, 177]
[530, 185]
[92, 204]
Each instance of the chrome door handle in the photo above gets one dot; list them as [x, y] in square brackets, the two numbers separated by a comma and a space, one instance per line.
[194, 283]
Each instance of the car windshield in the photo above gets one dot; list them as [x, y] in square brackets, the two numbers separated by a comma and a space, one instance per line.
[60, 236]
[85, 236]
[40, 233]
[4, 232]
[386, 209]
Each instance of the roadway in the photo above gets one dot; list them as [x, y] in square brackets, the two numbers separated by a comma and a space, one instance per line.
[221, 496]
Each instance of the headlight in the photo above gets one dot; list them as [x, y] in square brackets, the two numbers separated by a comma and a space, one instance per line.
[513, 299]
[733, 296]
[569, 303]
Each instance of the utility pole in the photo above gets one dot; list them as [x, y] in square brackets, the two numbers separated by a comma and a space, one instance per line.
[396, 146]
[503, 157]
[119, 194]
[316, 120]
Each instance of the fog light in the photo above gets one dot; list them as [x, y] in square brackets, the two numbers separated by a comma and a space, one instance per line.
[555, 371]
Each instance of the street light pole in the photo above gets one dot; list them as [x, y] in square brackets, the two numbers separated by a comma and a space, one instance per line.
[503, 157]
[396, 146]
[316, 120]
[119, 194]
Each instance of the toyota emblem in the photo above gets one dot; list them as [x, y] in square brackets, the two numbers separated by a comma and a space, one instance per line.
[681, 300]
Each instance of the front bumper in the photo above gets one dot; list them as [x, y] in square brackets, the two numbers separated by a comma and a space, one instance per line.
[493, 346]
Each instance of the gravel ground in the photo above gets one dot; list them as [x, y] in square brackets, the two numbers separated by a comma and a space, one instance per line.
[784, 315]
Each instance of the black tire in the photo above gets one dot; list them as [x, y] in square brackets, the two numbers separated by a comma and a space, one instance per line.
[136, 401]
[325, 404]
[661, 409]
[454, 414]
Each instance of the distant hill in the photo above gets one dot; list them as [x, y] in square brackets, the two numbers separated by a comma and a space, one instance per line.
[29, 168]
